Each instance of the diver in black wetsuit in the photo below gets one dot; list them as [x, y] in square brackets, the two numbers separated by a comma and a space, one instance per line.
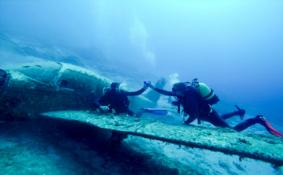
[198, 108]
[117, 99]
[208, 96]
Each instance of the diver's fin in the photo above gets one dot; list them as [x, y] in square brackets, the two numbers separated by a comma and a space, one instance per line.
[273, 130]
[241, 112]
[268, 126]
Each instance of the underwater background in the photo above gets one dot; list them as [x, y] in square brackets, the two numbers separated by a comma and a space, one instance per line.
[234, 46]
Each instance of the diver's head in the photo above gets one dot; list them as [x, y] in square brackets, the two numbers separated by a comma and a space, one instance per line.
[115, 86]
[3, 77]
[195, 82]
[179, 88]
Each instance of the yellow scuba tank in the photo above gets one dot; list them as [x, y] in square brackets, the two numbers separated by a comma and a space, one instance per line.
[205, 91]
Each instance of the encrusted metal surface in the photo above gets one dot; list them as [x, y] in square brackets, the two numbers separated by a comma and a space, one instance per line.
[269, 149]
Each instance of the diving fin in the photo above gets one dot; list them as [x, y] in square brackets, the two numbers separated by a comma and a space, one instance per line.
[268, 126]
[240, 112]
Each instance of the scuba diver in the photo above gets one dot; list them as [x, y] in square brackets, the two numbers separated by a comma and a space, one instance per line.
[207, 94]
[197, 107]
[117, 99]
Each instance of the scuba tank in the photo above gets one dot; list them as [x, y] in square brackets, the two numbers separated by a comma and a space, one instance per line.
[205, 91]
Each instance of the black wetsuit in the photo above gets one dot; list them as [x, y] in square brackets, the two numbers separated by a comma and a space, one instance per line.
[197, 108]
[118, 100]
[3, 77]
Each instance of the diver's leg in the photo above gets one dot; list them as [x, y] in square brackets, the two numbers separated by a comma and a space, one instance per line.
[216, 120]
[268, 126]
[260, 120]
[240, 112]
[245, 124]
[229, 115]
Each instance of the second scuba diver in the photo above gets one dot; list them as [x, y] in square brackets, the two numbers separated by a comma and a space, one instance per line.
[197, 105]
[117, 99]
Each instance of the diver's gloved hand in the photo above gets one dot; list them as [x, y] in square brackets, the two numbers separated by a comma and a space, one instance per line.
[147, 84]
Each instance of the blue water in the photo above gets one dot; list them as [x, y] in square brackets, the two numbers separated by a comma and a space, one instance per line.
[235, 46]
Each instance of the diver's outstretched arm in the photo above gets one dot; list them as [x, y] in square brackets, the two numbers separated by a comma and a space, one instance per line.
[164, 92]
[138, 92]
[161, 91]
